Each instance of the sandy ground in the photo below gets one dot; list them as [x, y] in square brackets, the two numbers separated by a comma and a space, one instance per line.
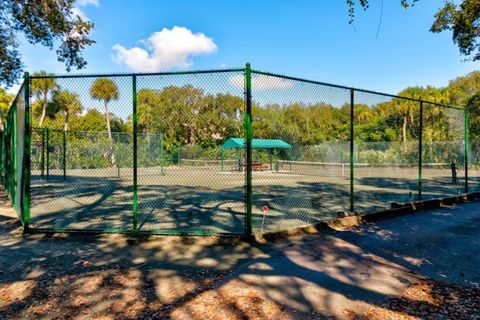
[418, 266]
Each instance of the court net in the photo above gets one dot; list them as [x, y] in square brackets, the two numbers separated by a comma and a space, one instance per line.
[332, 169]
[220, 165]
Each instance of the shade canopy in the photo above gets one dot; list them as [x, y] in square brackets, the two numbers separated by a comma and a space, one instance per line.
[239, 143]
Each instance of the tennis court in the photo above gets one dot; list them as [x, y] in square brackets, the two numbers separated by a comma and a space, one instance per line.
[209, 195]
[230, 151]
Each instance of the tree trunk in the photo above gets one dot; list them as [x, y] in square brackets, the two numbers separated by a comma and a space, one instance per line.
[404, 129]
[111, 151]
[65, 128]
[107, 119]
[44, 111]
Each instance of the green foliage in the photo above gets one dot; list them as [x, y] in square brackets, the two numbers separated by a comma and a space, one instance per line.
[45, 22]
[105, 89]
[67, 103]
[42, 88]
[92, 121]
[364, 4]
[463, 20]
[186, 116]
[5, 102]
[190, 123]
[461, 89]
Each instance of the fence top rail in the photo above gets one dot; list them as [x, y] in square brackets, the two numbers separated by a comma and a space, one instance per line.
[129, 133]
[193, 72]
[19, 91]
[15, 100]
[112, 75]
[355, 89]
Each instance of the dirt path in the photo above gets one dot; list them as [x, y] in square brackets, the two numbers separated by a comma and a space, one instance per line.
[396, 268]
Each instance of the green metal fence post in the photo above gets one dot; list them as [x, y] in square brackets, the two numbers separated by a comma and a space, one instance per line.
[466, 151]
[26, 155]
[64, 155]
[47, 155]
[162, 163]
[352, 151]
[249, 134]
[221, 157]
[15, 159]
[135, 124]
[42, 156]
[420, 154]
[117, 153]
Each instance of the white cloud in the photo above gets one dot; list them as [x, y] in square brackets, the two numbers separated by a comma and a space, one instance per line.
[165, 49]
[261, 82]
[95, 3]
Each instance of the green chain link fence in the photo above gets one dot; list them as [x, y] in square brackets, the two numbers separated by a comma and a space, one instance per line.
[223, 152]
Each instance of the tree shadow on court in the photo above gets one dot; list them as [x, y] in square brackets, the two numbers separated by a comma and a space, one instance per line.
[101, 203]
[283, 207]
[93, 203]
[191, 209]
[106, 203]
[83, 203]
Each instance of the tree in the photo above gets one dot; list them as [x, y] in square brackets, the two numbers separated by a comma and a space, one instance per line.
[462, 19]
[68, 103]
[105, 90]
[45, 22]
[462, 88]
[407, 109]
[5, 103]
[42, 88]
[363, 113]
[464, 22]
[473, 105]
[91, 121]
[364, 4]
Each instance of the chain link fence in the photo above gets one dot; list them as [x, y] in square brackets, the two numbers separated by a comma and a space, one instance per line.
[223, 152]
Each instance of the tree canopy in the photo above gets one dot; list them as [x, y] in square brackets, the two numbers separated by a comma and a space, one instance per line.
[5, 102]
[198, 120]
[462, 19]
[45, 22]
[105, 89]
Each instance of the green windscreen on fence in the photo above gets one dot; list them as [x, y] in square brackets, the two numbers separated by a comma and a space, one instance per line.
[13, 142]
[225, 152]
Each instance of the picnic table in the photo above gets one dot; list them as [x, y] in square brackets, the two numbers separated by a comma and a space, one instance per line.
[256, 166]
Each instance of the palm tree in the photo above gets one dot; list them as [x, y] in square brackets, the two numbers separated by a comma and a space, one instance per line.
[406, 110]
[41, 88]
[68, 103]
[104, 89]
[363, 113]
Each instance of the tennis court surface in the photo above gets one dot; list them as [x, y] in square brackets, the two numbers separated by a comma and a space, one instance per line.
[209, 196]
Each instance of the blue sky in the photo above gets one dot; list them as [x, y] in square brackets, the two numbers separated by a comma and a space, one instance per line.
[310, 39]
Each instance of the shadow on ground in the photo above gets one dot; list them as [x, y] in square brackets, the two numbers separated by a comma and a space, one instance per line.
[330, 274]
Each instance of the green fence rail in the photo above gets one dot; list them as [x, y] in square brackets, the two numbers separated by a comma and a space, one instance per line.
[223, 152]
